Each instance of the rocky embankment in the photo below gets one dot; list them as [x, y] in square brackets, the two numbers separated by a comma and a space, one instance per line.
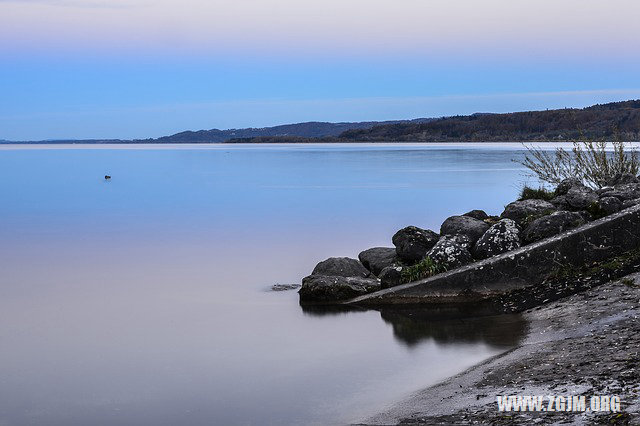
[421, 253]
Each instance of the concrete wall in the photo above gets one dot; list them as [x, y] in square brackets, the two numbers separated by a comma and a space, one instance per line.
[517, 269]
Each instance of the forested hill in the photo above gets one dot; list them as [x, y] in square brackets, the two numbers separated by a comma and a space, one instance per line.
[618, 120]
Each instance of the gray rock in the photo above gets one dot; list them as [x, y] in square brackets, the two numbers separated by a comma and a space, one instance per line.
[412, 243]
[560, 202]
[622, 178]
[340, 267]
[522, 211]
[624, 192]
[501, 237]
[464, 225]
[477, 214]
[391, 276]
[567, 184]
[552, 224]
[321, 288]
[284, 287]
[450, 253]
[609, 205]
[377, 258]
[630, 203]
[580, 197]
[587, 216]
[604, 190]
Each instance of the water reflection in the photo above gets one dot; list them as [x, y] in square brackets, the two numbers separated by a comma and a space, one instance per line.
[451, 325]
[442, 324]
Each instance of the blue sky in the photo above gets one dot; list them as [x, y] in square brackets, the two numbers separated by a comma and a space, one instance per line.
[147, 68]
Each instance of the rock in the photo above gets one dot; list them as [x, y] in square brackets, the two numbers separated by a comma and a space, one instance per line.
[581, 197]
[624, 192]
[322, 288]
[391, 276]
[341, 267]
[450, 253]
[284, 287]
[552, 224]
[560, 202]
[477, 214]
[501, 237]
[567, 184]
[622, 178]
[587, 216]
[522, 211]
[604, 190]
[630, 203]
[464, 225]
[412, 243]
[377, 258]
[609, 205]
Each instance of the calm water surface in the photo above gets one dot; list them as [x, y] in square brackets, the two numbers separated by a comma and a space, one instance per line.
[144, 300]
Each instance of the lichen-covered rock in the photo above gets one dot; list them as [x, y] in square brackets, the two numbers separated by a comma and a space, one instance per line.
[341, 267]
[522, 211]
[567, 184]
[622, 178]
[391, 276]
[624, 192]
[552, 224]
[477, 214]
[580, 197]
[464, 225]
[501, 237]
[450, 253]
[560, 202]
[377, 258]
[630, 203]
[322, 288]
[609, 205]
[412, 243]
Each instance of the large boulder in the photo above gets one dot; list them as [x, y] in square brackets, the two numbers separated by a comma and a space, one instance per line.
[477, 214]
[552, 224]
[560, 202]
[322, 288]
[581, 197]
[524, 211]
[608, 205]
[630, 203]
[622, 178]
[391, 276]
[567, 184]
[464, 225]
[412, 243]
[624, 192]
[377, 258]
[449, 253]
[501, 237]
[340, 267]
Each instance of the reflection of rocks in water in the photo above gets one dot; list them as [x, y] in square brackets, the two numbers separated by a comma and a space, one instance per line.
[322, 310]
[455, 325]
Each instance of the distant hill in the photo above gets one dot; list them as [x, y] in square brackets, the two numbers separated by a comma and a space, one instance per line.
[617, 120]
[312, 129]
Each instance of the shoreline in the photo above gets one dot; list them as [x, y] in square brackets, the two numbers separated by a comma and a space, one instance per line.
[583, 344]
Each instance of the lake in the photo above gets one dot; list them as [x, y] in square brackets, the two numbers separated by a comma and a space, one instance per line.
[146, 299]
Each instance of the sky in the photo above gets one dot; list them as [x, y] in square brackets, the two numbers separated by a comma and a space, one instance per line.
[148, 68]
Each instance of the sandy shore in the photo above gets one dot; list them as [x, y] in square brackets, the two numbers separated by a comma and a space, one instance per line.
[584, 344]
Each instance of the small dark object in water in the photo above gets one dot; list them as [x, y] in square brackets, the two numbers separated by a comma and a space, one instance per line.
[284, 287]
[107, 177]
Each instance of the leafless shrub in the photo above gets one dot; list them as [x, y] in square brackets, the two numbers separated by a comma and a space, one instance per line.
[589, 161]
